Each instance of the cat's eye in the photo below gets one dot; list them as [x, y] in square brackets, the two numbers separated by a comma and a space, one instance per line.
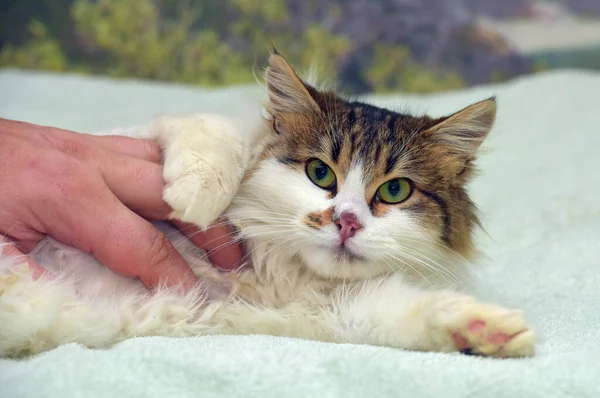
[320, 174]
[395, 191]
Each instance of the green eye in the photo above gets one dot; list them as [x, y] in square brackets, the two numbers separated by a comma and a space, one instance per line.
[395, 191]
[320, 173]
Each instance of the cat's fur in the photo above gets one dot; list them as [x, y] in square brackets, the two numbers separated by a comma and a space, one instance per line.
[382, 289]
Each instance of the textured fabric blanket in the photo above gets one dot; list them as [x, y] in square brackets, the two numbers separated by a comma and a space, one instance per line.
[539, 195]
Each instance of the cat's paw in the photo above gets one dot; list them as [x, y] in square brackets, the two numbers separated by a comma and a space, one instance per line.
[203, 165]
[486, 329]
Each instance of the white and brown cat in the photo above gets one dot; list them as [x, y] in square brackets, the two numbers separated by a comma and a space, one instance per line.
[354, 218]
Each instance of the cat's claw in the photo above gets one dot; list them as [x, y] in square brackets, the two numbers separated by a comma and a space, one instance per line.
[489, 330]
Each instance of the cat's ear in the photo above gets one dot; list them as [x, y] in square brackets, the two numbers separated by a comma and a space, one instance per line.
[460, 134]
[287, 92]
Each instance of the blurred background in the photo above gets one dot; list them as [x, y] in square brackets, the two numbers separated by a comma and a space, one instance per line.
[364, 45]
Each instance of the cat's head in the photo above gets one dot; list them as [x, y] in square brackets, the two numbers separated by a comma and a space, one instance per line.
[354, 190]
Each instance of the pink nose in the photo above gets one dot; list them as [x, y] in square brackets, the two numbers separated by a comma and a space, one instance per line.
[348, 225]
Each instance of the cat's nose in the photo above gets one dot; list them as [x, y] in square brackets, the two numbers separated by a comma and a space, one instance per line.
[348, 225]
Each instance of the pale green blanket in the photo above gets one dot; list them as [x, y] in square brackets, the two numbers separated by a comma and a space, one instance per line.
[540, 198]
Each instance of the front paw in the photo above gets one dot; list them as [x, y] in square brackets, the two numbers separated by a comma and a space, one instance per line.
[203, 165]
[485, 329]
[195, 195]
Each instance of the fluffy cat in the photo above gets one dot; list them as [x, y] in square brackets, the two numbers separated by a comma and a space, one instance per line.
[354, 218]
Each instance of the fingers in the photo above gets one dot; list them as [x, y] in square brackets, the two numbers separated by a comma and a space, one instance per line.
[143, 149]
[130, 245]
[147, 150]
[8, 249]
[61, 190]
[137, 183]
[131, 167]
[91, 218]
[219, 241]
[23, 236]
[25, 246]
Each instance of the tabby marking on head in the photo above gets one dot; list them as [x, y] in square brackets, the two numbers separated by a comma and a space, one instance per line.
[368, 190]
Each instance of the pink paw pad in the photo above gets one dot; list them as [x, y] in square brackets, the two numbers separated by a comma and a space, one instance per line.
[499, 338]
[476, 326]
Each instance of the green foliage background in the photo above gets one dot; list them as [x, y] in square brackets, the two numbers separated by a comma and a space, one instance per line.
[202, 44]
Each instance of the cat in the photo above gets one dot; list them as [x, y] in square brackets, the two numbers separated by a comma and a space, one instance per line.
[355, 219]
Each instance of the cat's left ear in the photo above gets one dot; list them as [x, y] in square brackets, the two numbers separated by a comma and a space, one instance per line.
[460, 134]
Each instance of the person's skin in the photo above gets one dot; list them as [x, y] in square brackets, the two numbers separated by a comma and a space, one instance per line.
[96, 194]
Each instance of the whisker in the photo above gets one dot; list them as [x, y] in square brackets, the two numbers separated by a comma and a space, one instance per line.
[440, 270]
[251, 237]
[410, 266]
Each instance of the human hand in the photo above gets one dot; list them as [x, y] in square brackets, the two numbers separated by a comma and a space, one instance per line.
[96, 193]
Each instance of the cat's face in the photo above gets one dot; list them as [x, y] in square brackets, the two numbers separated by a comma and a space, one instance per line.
[355, 190]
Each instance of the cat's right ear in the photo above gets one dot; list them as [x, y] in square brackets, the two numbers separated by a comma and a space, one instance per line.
[288, 94]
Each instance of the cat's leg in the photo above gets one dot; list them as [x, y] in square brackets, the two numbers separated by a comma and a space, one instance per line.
[391, 313]
[205, 157]
[37, 315]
